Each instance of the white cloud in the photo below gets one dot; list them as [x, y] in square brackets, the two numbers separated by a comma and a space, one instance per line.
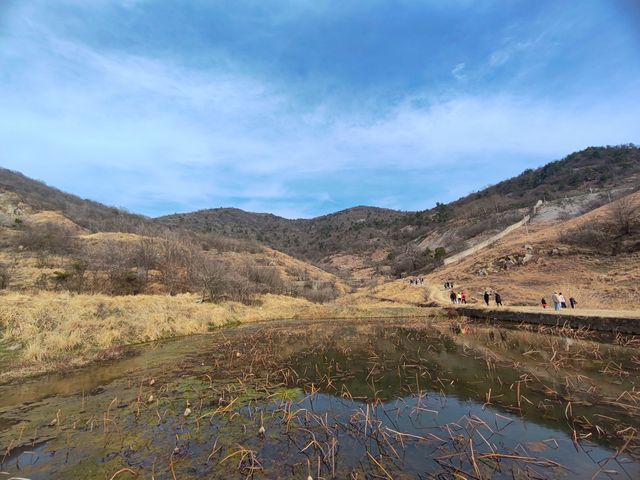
[458, 71]
[140, 131]
[512, 48]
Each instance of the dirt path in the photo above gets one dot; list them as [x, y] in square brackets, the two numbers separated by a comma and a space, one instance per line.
[440, 295]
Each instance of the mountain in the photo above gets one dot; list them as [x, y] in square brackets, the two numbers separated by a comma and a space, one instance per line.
[356, 229]
[51, 240]
[361, 243]
[88, 214]
[365, 241]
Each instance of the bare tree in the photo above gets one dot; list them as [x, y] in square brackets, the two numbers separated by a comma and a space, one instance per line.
[220, 282]
[48, 238]
[176, 261]
[146, 256]
[5, 276]
[625, 215]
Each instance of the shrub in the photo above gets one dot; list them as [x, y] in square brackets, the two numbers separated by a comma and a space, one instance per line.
[588, 235]
[221, 282]
[5, 276]
[318, 292]
[48, 237]
[266, 279]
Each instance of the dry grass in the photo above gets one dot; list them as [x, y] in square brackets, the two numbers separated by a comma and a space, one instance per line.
[29, 267]
[396, 291]
[597, 280]
[54, 217]
[60, 330]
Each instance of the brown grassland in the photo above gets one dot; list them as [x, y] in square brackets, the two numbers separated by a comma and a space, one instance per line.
[55, 331]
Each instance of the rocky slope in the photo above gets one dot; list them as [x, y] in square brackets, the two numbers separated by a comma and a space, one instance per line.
[590, 257]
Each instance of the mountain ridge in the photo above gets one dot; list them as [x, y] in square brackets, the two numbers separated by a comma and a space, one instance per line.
[381, 241]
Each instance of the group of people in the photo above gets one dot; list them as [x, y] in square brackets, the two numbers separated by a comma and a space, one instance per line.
[559, 301]
[459, 297]
[557, 298]
[416, 281]
[496, 296]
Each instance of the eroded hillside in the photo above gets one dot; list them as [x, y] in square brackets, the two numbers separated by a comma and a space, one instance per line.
[594, 257]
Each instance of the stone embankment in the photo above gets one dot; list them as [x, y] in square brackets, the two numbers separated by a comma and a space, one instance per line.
[610, 324]
[476, 248]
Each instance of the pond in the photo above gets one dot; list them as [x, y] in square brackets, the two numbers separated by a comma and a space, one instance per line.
[336, 399]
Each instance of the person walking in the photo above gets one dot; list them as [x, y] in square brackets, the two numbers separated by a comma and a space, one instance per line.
[573, 302]
[452, 296]
[459, 297]
[543, 303]
[486, 297]
[463, 298]
[555, 298]
[498, 299]
[563, 302]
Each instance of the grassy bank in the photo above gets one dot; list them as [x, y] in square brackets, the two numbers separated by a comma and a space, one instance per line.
[55, 331]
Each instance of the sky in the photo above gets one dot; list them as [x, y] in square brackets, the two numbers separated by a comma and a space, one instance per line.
[305, 107]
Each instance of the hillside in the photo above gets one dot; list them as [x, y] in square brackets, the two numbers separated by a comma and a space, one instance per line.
[357, 230]
[42, 249]
[365, 242]
[86, 213]
[363, 245]
[593, 257]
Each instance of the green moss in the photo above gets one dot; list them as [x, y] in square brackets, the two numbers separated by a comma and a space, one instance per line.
[287, 394]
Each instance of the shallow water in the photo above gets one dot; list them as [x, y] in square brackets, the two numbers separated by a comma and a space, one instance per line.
[336, 399]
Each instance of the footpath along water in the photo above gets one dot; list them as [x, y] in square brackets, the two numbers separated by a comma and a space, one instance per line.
[336, 399]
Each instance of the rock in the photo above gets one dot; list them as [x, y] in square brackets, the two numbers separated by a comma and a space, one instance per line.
[528, 247]
[187, 412]
[14, 347]
[526, 259]
[554, 251]
[483, 272]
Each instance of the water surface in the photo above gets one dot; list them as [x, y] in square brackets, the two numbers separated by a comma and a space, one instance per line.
[335, 399]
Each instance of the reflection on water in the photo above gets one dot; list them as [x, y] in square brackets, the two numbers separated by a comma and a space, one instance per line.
[383, 399]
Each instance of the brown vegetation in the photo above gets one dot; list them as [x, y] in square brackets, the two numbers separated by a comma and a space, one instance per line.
[60, 330]
[361, 231]
[574, 257]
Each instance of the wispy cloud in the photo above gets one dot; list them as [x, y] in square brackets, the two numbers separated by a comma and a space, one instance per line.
[157, 134]
[458, 71]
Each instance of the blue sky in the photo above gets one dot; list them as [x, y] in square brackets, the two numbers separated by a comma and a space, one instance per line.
[304, 107]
